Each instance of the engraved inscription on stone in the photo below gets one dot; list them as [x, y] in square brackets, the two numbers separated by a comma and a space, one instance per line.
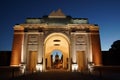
[80, 42]
[33, 39]
[32, 47]
[81, 47]
[80, 39]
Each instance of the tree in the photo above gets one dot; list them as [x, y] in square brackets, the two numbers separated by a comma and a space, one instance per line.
[115, 47]
[114, 53]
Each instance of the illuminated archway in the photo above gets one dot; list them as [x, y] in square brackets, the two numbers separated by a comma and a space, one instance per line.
[56, 41]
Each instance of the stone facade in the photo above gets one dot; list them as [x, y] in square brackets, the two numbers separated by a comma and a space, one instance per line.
[36, 40]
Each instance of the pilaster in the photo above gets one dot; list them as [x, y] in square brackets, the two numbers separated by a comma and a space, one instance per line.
[17, 46]
[96, 47]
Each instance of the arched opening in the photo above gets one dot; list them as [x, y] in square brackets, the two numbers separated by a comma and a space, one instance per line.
[56, 59]
[56, 46]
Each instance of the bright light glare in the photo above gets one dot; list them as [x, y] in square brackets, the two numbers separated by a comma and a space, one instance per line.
[39, 67]
[74, 67]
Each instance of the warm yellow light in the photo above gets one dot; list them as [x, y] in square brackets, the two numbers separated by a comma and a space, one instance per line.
[39, 67]
[56, 41]
[74, 67]
[22, 68]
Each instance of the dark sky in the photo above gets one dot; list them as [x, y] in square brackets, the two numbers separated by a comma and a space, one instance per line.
[105, 13]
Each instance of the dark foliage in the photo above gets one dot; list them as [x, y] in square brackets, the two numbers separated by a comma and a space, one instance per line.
[112, 57]
[115, 47]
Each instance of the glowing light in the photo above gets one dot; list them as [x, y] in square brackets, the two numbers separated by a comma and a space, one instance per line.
[22, 68]
[22, 55]
[74, 67]
[90, 66]
[39, 67]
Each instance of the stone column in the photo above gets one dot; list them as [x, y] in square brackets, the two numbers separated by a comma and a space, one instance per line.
[73, 49]
[40, 47]
[17, 45]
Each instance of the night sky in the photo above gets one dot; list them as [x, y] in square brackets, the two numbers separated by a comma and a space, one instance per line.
[105, 13]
